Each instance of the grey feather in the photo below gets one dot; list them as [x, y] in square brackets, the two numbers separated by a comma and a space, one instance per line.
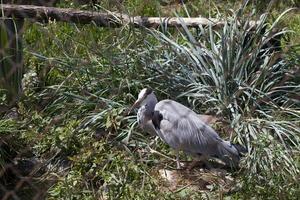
[183, 130]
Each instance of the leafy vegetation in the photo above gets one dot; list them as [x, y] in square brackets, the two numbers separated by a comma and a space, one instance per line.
[235, 74]
[79, 80]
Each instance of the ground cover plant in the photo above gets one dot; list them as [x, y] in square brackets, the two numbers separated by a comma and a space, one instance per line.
[79, 81]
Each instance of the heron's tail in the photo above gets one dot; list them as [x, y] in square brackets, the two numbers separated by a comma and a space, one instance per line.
[230, 153]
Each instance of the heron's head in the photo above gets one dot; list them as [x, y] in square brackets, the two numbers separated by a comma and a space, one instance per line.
[145, 96]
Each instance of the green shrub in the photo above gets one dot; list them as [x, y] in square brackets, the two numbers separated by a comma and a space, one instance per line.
[234, 72]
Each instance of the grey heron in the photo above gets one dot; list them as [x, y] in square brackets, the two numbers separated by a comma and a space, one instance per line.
[182, 129]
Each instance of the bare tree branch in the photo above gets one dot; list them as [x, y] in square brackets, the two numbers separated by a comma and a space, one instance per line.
[44, 14]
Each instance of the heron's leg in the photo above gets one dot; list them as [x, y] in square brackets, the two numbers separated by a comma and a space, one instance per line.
[177, 160]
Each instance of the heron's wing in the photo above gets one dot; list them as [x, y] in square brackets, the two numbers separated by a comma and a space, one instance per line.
[182, 129]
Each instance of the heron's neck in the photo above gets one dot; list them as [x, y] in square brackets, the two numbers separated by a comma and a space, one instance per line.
[149, 108]
[149, 105]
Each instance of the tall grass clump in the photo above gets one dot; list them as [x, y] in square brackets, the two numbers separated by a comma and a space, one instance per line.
[11, 69]
[78, 83]
[239, 73]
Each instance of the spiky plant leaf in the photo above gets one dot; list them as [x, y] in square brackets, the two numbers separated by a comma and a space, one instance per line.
[236, 73]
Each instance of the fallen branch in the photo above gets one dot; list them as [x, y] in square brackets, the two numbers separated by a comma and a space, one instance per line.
[44, 14]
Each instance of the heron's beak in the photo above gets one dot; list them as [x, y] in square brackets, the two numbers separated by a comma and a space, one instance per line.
[136, 104]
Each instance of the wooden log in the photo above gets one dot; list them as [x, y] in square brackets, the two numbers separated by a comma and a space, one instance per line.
[44, 14]
[31, 2]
